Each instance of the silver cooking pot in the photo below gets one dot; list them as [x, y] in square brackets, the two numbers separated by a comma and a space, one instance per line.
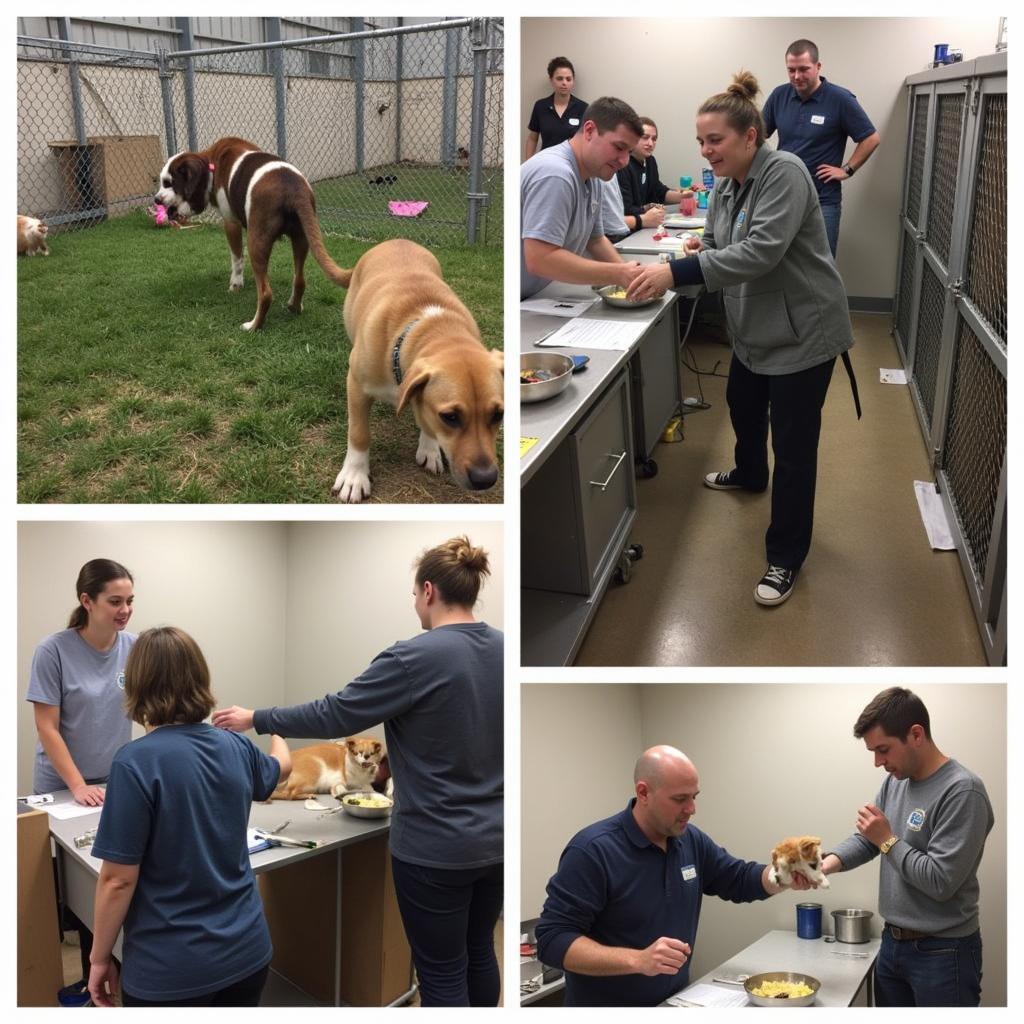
[852, 925]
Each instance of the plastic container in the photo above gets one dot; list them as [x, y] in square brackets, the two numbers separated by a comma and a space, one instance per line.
[708, 178]
[702, 200]
[686, 181]
[941, 52]
[808, 920]
[688, 206]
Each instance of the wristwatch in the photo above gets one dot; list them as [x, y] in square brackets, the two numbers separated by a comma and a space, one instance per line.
[850, 170]
[889, 844]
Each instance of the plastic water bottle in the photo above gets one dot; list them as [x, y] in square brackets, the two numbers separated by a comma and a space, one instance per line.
[708, 178]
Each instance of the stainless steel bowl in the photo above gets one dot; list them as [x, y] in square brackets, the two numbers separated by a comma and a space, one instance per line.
[611, 300]
[554, 363]
[366, 812]
[852, 925]
[755, 980]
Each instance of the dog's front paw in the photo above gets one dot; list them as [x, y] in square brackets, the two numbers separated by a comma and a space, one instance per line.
[249, 325]
[823, 883]
[428, 455]
[353, 482]
[235, 284]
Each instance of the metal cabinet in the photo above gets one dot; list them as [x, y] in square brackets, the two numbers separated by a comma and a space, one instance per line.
[578, 507]
[657, 389]
[950, 313]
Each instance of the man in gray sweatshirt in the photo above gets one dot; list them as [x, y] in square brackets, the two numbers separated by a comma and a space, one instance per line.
[929, 823]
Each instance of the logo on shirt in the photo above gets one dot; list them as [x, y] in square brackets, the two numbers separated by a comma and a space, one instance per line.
[817, 118]
[916, 819]
[574, 120]
[120, 680]
[741, 217]
[689, 873]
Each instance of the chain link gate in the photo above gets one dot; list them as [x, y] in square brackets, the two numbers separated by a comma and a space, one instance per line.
[379, 121]
[950, 312]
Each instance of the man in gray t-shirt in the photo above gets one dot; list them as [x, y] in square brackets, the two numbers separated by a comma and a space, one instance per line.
[929, 823]
[560, 193]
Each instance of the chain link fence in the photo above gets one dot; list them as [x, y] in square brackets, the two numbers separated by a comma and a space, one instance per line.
[399, 130]
[950, 314]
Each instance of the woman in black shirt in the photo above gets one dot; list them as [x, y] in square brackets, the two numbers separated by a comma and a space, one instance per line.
[557, 117]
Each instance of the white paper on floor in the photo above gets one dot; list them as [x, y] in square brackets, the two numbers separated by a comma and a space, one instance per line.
[936, 525]
[892, 376]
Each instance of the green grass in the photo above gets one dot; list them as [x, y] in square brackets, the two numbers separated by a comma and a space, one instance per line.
[136, 382]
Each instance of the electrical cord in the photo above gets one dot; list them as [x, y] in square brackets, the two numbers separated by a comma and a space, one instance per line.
[692, 367]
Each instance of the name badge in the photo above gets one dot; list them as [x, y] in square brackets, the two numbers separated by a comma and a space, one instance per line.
[689, 873]
[643, 178]
[916, 819]
[817, 118]
[574, 120]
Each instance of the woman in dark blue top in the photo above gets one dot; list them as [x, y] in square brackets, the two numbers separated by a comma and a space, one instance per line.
[172, 840]
[557, 117]
[439, 696]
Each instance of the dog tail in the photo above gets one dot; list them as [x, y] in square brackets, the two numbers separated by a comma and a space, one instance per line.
[339, 275]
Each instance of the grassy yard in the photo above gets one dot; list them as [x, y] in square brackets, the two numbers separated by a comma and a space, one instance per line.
[136, 382]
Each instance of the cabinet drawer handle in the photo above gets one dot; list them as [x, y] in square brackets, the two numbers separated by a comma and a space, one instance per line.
[618, 462]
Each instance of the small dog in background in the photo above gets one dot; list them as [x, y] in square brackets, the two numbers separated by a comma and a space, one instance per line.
[343, 766]
[32, 234]
[798, 855]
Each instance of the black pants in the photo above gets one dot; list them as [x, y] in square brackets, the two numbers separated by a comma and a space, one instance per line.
[449, 916]
[791, 404]
[246, 992]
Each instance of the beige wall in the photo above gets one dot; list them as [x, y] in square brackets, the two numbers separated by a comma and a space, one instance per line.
[666, 67]
[774, 760]
[284, 612]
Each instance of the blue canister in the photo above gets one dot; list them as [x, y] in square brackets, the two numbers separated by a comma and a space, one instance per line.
[941, 52]
[702, 200]
[708, 178]
[685, 181]
[808, 920]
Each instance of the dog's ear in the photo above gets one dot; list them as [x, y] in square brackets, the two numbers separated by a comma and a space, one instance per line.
[498, 356]
[413, 383]
[377, 748]
[809, 846]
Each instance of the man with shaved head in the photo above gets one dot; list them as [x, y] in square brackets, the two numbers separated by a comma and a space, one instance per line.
[622, 909]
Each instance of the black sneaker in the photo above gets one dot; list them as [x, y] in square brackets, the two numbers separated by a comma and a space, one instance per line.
[723, 481]
[775, 585]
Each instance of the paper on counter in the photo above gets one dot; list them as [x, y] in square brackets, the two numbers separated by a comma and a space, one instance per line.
[525, 444]
[609, 335]
[933, 515]
[708, 995]
[683, 222]
[67, 811]
[892, 376]
[557, 306]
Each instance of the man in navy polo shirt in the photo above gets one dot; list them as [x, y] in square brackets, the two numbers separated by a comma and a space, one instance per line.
[622, 909]
[814, 118]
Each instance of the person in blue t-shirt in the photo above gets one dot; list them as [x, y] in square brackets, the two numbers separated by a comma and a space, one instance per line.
[172, 838]
[814, 118]
[622, 909]
[439, 696]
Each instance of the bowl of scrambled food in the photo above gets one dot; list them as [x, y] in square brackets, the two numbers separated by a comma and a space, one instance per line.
[615, 295]
[781, 988]
[366, 805]
[543, 375]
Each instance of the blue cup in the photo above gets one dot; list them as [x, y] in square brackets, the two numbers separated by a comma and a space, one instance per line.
[808, 920]
[941, 52]
[685, 181]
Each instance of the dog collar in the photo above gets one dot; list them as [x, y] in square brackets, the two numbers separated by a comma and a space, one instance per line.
[396, 366]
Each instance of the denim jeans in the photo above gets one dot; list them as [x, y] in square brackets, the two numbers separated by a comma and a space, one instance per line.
[928, 972]
[831, 214]
[449, 916]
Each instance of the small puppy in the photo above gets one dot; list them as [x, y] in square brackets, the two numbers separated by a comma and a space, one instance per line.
[798, 855]
[414, 343]
[345, 766]
[32, 234]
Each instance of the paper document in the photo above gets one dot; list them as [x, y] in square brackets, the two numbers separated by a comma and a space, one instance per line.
[709, 995]
[611, 335]
[557, 306]
[525, 444]
[683, 222]
[933, 515]
[892, 376]
[67, 811]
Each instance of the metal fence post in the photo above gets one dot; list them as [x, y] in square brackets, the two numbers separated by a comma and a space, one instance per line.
[187, 42]
[280, 92]
[166, 78]
[478, 36]
[64, 29]
[359, 74]
[450, 93]
[399, 75]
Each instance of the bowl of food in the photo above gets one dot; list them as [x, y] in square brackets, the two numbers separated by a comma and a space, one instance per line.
[366, 805]
[782, 988]
[543, 375]
[615, 295]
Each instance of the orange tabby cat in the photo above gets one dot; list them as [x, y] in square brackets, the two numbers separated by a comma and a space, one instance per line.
[339, 767]
[798, 855]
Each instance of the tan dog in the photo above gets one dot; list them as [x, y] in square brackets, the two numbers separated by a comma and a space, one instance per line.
[415, 343]
[344, 766]
[32, 236]
[798, 855]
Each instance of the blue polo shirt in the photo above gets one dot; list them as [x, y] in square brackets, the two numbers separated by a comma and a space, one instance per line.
[816, 129]
[616, 887]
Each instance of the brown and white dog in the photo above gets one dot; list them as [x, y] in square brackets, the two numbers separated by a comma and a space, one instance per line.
[415, 343]
[256, 191]
[31, 236]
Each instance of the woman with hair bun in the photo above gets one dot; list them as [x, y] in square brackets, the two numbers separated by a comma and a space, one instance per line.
[557, 117]
[766, 249]
[439, 696]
